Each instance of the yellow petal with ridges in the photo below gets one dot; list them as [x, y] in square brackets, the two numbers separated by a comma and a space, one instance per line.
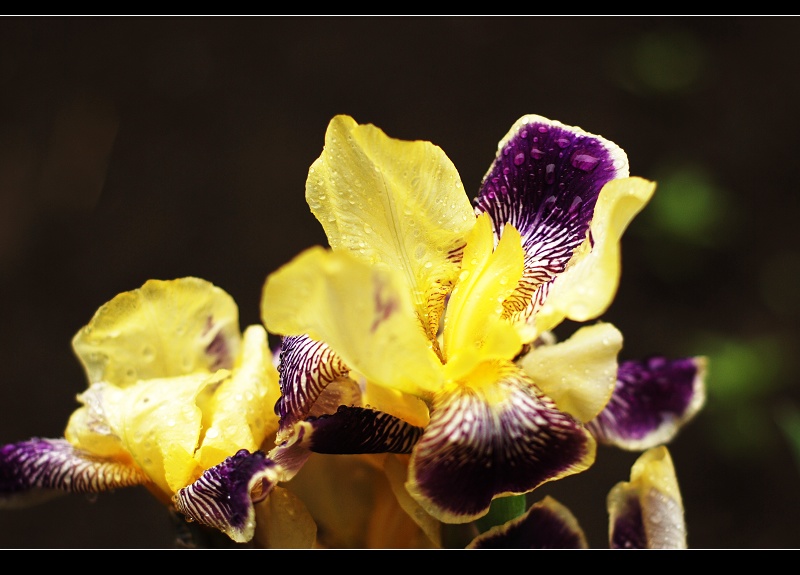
[473, 329]
[241, 415]
[588, 285]
[163, 329]
[362, 312]
[158, 422]
[579, 374]
[393, 202]
[88, 427]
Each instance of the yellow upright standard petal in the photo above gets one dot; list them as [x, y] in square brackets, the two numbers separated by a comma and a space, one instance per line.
[163, 329]
[588, 285]
[362, 312]
[392, 202]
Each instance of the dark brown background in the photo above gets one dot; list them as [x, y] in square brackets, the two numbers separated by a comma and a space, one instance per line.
[147, 147]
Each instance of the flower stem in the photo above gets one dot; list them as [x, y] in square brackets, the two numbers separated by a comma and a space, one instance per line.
[502, 510]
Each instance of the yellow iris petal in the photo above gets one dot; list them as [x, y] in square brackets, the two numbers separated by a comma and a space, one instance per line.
[579, 374]
[283, 522]
[161, 401]
[473, 329]
[162, 329]
[240, 414]
[588, 285]
[392, 202]
[88, 427]
[363, 312]
[356, 505]
[407, 407]
[157, 421]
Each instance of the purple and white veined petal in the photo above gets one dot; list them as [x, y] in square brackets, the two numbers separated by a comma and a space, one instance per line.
[354, 430]
[38, 469]
[350, 430]
[647, 511]
[225, 495]
[651, 402]
[545, 181]
[546, 525]
[500, 436]
[306, 368]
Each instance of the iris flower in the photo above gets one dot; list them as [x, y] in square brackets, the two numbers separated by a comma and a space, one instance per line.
[426, 328]
[176, 394]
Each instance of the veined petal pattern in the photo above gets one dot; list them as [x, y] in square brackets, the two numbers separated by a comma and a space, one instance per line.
[497, 436]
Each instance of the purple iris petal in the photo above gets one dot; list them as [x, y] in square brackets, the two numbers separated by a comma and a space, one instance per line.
[37, 469]
[306, 368]
[651, 400]
[475, 449]
[545, 181]
[627, 526]
[547, 176]
[224, 495]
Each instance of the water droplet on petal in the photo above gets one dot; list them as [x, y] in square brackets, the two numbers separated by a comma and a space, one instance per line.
[550, 173]
[584, 162]
[562, 143]
[519, 159]
[536, 153]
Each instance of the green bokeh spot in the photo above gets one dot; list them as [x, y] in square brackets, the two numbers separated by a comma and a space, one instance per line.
[789, 421]
[688, 205]
[669, 61]
[744, 376]
[740, 370]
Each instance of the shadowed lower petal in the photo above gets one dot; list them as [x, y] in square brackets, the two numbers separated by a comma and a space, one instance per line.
[354, 430]
[546, 525]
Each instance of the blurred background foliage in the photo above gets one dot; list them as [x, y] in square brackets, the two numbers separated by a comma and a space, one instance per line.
[148, 147]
